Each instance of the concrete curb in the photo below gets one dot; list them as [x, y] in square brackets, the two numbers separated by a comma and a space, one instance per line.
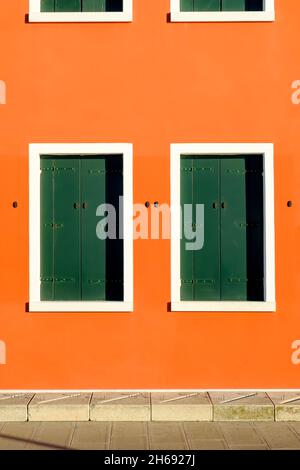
[157, 406]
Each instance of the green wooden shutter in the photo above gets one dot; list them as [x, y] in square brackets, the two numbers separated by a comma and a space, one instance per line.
[93, 5]
[233, 5]
[93, 193]
[47, 5]
[67, 5]
[233, 234]
[242, 228]
[207, 260]
[200, 269]
[67, 281]
[102, 260]
[46, 228]
[60, 229]
[186, 256]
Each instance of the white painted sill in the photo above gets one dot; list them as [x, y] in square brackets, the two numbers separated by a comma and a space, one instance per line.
[81, 17]
[80, 306]
[223, 306]
[222, 16]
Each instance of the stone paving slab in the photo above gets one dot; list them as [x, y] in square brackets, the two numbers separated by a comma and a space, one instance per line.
[287, 406]
[129, 436]
[59, 407]
[204, 430]
[16, 436]
[181, 407]
[120, 407]
[203, 435]
[167, 435]
[244, 406]
[278, 435]
[295, 427]
[52, 436]
[242, 434]
[13, 407]
[91, 436]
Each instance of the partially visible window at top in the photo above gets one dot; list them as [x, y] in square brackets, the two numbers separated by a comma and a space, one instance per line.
[222, 10]
[72, 11]
[81, 5]
[221, 5]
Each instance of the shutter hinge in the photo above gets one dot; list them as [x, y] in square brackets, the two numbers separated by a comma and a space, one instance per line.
[198, 169]
[103, 172]
[104, 281]
[54, 226]
[198, 281]
[57, 279]
[249, 225]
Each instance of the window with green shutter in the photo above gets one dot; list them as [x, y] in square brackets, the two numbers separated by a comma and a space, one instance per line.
[81, 5]
[75, 263]
[222, 5]
[230, 265]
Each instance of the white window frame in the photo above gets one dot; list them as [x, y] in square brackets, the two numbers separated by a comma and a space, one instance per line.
[267, 150]
[36, 16]
[35, 152]
[268, 14]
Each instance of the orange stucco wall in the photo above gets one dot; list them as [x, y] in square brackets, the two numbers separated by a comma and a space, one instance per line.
[150, 82]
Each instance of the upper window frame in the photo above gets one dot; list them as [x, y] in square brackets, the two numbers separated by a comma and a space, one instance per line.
[268, 14]
[55, 149]
[36, 16]
[216, 150]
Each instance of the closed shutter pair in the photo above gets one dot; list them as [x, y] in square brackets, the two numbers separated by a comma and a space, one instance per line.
[230, 265]
[75, 263]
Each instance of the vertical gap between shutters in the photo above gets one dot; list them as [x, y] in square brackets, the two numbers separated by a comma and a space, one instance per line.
[193, 215]
[53, 231]
[220, 226]
[80, 222]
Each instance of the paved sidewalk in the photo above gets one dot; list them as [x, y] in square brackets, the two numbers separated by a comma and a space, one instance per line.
[149, 435]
